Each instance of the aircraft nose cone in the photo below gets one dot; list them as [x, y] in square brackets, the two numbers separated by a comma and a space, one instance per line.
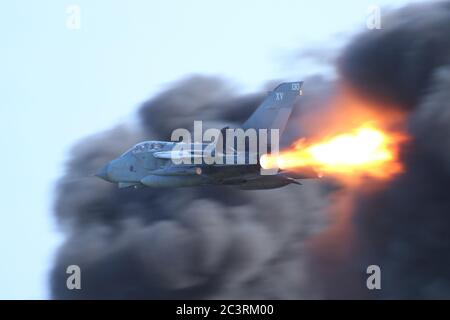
[103, 173]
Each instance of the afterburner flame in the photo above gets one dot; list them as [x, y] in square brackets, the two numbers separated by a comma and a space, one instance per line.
[365, 150]
[350, 141]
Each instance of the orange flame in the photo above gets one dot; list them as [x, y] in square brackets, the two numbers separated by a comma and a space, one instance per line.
[358, 141]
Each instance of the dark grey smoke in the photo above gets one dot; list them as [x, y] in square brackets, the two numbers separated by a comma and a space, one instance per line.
[220, 242]
[398, 62]
[404, 227]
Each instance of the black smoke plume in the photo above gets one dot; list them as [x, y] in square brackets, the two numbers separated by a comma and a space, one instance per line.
[221, 242]
[403, 227]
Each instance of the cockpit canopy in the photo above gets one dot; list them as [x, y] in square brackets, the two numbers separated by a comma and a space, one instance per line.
[147, 146]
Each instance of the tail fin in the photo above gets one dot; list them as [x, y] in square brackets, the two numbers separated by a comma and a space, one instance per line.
[274, 111]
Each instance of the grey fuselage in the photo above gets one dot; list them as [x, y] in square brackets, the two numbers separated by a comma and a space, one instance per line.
[140, 167]
[151, 163]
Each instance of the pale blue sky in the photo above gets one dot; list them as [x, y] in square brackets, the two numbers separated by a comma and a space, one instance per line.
[59, 85]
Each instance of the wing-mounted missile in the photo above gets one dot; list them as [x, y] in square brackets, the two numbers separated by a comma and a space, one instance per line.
[303, 173]
[178, 154]
[178, 171]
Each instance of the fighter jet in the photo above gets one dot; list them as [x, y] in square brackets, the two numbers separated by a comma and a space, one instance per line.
[157, 163]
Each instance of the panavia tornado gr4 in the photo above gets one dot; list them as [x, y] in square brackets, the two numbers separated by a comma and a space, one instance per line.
[229, 159]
